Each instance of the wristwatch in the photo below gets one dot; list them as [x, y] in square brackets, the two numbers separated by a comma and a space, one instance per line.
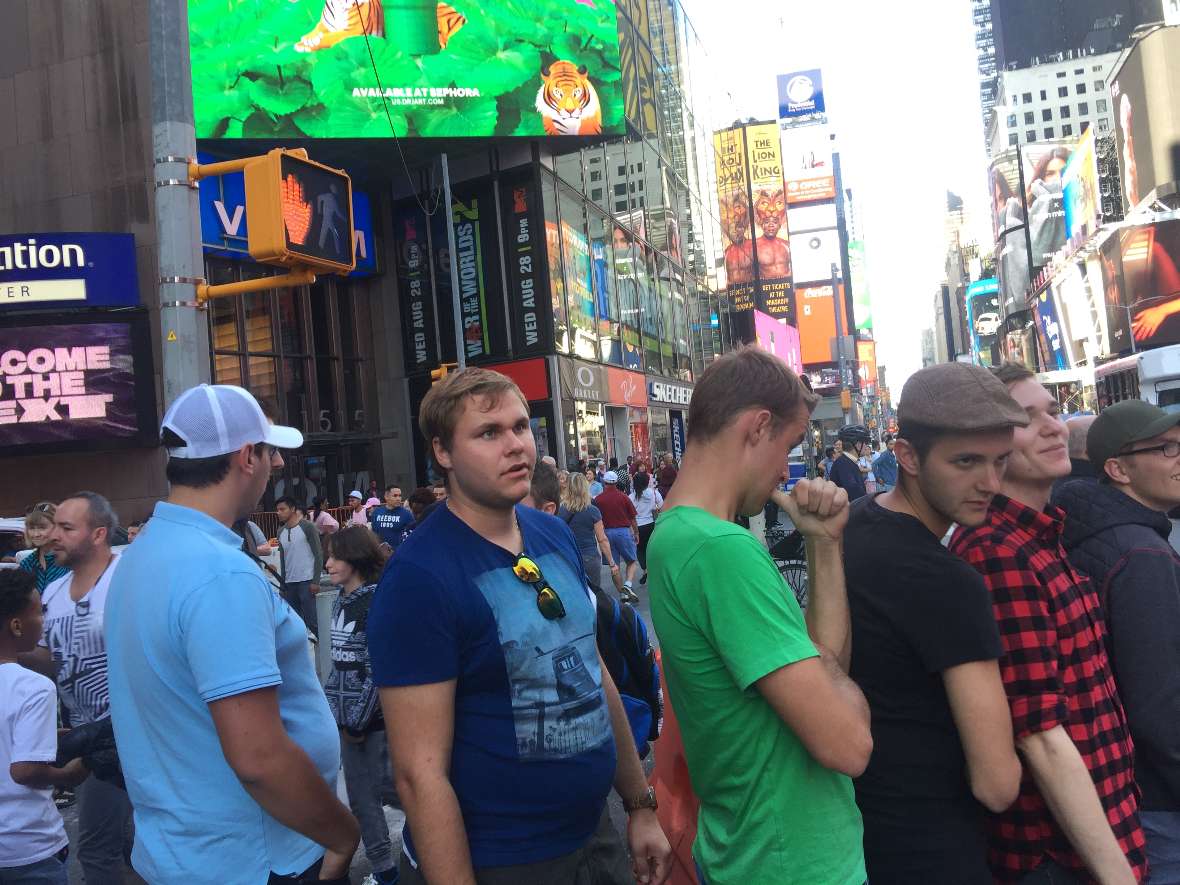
[647, 799]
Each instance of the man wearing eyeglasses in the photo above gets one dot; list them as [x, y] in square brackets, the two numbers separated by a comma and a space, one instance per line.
[505, 728]
[1116, 530]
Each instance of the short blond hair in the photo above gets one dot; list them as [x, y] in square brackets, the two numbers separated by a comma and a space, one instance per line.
[576, 496]
[445, 401]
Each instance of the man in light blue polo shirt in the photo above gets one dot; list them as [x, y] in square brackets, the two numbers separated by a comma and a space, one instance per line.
[228, 746]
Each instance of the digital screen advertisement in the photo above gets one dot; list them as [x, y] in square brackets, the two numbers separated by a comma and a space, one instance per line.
[376, 68]
[775, 336]
[771, 246]
[1080, 178]
[817, 323]
[807, 164]
[1044, 198]
[736, 216]
[800, 94]
[1146, 121]
[76, 381]
[1151, 282]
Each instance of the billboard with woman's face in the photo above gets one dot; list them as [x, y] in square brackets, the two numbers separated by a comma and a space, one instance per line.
[1044, 198]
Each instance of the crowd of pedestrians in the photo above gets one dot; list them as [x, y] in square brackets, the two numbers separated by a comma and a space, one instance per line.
[983, 688]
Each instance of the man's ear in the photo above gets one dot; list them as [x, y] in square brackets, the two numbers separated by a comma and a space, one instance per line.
[549, 507]
[907, 457]
[441, 455]
[1115, 471]
[759, 424]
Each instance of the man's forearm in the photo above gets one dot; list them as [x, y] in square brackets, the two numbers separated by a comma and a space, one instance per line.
[1068, 790]
[827, 604]
[440, 839]
[630, 782]
[844, 683]
[290, 788]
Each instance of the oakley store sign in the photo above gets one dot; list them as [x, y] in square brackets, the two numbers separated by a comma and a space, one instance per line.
[669, 393]
[591, 382]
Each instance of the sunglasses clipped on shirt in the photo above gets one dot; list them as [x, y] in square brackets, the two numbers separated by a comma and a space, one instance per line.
[549, 604]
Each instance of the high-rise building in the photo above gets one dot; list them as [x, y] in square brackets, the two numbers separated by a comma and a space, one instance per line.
[1013, 35]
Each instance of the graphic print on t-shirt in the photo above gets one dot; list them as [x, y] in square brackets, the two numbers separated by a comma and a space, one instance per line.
[555, 681]
[74, 635]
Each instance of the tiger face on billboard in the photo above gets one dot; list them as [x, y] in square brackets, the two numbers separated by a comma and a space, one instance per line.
[567, 101]
[342, 19]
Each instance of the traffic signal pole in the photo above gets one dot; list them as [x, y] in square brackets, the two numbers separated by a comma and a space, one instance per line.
[184, 330]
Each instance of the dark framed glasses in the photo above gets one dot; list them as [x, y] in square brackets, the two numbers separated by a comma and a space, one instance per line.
[549, 604]
[1170, 449]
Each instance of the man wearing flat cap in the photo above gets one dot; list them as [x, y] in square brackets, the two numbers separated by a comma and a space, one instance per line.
[1116, 531]
[925, 646]
[1076, 818]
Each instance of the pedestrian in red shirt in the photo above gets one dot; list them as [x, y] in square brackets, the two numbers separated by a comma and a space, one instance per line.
[666, 475]
[618, 518]
[1077, 816]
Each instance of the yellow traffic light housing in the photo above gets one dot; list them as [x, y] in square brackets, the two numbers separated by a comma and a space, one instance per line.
[440, 374]
[299, 212]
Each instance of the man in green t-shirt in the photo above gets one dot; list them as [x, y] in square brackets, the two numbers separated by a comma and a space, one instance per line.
[773, 728]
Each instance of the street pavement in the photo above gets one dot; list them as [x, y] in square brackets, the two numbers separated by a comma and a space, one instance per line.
[395, 817]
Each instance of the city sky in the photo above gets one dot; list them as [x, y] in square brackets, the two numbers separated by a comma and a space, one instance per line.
[903, 97]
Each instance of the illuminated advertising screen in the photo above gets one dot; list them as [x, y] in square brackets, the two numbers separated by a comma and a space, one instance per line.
[862, 305]
[1051, 343]
[866, 366]
[1147, 122]
[1118, 321]
[771, 246]
[817, 323]
[736, 215]
[807, 164]
[1080, 185]
[1044, 198]
[775, 336]
[76, 381]
[420, 340]
[419, 68]
[1151, 282]
[800, 94]
[814, 254]
[983, 318]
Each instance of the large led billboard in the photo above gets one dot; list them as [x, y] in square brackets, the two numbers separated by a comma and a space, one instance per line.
[1150, 287]
[72, 381]
[1147, 121]
[375, 68]
[1044, 198]
[1083, 208]
[807, 164]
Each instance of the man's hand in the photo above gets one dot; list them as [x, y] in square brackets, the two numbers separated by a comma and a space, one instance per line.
[336, 864]
[650, 851]
[817, 507]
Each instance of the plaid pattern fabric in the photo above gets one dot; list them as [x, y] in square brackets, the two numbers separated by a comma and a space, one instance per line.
[1056, 672]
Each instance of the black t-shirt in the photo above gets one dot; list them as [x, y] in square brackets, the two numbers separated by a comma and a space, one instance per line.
[846, 474]
[917, 610]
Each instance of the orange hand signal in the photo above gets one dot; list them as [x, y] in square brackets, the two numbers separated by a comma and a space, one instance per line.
[296, 210]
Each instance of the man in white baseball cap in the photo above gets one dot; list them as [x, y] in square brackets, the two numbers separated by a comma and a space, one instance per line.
[357, 502]
[224, 732]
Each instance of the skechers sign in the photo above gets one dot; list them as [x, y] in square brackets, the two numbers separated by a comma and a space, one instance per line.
[67, 270]
[223, 220]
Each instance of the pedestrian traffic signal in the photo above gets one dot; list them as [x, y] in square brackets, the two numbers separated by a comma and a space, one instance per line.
[300, 212]
[440, 374]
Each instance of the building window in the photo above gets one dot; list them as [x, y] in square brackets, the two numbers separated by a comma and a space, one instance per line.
[1067, 129]
[596, 175]
[1030, 136]
[1096, 69]
[1011, 121]
[1044, 97]
[1083, 108]
[1046, 115]
[1062, 91]
[1029, 118]
[1049, 133]
[596, 195]
[1027, 97]
[1081, 88]
[1013, 139]
[1104, 125]
[1100, 85]
[1065, 114]
[1061, 75]
[1100, 106]
[1078, 72]
[620, 191]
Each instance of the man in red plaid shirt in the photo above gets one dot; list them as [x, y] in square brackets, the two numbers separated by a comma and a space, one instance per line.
[1077, 816]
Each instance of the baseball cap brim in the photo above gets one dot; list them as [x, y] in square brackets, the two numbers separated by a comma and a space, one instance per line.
[283, 437]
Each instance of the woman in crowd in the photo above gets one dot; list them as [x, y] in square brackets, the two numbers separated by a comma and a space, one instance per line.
[585, 521]
[648, 503]
[38, 527]
[324, 521]
[354, 564]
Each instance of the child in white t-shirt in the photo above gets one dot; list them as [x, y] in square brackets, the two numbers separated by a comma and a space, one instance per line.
[33, 840]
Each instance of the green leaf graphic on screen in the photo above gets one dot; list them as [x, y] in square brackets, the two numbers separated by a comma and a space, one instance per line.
[301, 68]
